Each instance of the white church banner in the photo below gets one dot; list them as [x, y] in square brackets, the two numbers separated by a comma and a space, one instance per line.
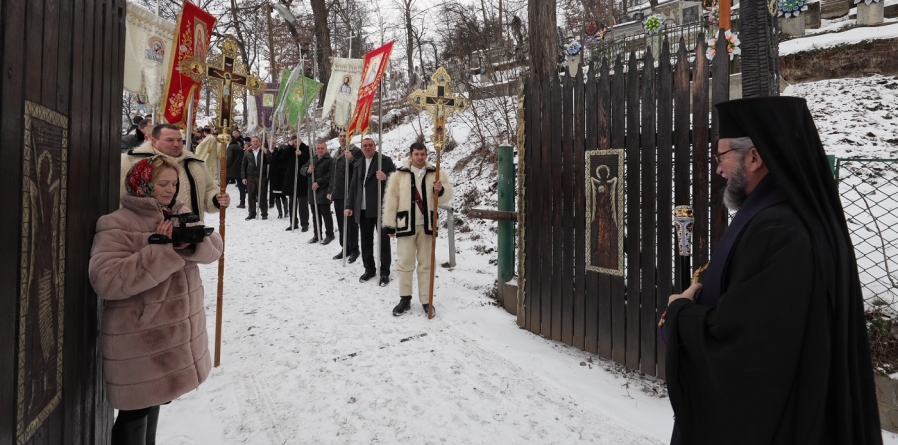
[148, 41]
[343, 90]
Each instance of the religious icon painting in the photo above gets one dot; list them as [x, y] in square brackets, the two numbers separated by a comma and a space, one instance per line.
[155, 49]
[42, 268]
[605, 211]
[268, 99]
[200, 40]
[371, 74]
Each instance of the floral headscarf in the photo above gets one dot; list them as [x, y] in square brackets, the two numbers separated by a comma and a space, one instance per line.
[139, 181]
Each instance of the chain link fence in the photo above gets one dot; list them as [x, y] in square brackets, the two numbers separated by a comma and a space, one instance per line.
[869, 190]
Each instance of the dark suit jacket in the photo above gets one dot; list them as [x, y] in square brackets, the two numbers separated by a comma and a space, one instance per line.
[369, 184]
[249, 169]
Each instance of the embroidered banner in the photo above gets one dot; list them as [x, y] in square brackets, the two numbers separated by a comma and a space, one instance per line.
[343, 90]
[375, 64]
[194, 30]
[148, 38]
[265, 104]
[300, 91]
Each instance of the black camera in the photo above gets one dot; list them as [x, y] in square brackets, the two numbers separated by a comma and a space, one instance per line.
[182, 234]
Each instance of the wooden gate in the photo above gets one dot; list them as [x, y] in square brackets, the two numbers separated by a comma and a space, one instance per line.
[607, 156]
[61, 98]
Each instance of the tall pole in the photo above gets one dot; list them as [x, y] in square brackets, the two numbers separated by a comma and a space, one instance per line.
[380, 120]
[317, 221]
[346, 173]
[189, 135]
[223, 184]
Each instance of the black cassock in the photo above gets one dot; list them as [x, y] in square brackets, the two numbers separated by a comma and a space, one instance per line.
[778, 354]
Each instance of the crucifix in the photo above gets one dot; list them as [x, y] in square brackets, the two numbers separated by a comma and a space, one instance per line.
[226, 69]
[440, 101]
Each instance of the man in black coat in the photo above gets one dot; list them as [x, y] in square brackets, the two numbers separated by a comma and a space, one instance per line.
[299, 203]
[363, 201]
[318, 171]
[280, 157]
[351, 155]
[774, 348]
[252, 173]
[235, 162]
[136, 136]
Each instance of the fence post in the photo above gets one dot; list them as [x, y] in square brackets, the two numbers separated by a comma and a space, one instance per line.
[450, 226]
[506, 203]
[832, 163]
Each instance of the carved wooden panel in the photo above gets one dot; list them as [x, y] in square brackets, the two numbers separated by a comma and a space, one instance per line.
[605, 211]
[42, 302]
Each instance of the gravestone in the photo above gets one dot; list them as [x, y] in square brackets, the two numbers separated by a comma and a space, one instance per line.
[871, 14]
[830, 9]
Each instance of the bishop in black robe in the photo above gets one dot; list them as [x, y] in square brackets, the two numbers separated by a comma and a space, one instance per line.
[771, 347]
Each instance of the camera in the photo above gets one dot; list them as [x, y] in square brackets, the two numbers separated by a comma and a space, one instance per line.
[181, 233]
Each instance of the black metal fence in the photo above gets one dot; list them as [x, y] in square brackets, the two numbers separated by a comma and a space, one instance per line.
[869, 190]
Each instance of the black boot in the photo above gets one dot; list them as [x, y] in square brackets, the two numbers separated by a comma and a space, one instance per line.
[277, 203]
[426, 306]
[405, 303]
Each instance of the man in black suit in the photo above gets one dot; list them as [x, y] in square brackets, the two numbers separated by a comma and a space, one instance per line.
[363, 201]
[252, 171]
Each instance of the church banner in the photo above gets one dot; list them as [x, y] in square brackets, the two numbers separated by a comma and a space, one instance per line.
[375, 64]
[148, 39]
[265, 104]
[343, 90]
[295, 95]
[194, 30]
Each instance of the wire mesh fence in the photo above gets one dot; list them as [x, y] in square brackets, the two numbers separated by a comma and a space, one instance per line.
[869, 190]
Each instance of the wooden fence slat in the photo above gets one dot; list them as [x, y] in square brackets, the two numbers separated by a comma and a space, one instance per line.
[557, 208]
[546, 253]
[632, 216]
[566, 216]
[701, 154]
[720, 92]
[602, 282]
[34, 20]
[616, 288]
[648, 256]
[591, 292]
[665, 195]
[50, 52]
[579, 223]
[527, 197]
[682, 155]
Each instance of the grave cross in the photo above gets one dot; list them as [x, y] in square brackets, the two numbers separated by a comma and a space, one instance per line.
[440, 101]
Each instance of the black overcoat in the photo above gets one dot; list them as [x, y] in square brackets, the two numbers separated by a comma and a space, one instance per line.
[369, 183]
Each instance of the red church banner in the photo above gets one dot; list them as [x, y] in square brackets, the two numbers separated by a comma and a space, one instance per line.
[193, 33]
[375, 64]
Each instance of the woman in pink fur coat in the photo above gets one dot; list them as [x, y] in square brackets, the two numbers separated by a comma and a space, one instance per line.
[153, 333]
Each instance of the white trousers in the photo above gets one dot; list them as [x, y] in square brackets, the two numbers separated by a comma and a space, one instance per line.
[409, 250]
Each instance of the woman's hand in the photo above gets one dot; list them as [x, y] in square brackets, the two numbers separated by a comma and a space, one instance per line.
[164, 228]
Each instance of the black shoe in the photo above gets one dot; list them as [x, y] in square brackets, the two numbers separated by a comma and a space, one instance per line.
[426, 306]
[384, 280]
[264, 216]
[280, 216]
[338, 256]
[405, 303]
[314, 240]
[353, 257]
[249, 218]
[367, 276]
[327, 240]
[305, 228]
[289, 228]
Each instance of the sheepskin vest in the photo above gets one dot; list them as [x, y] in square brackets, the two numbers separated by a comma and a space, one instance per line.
[153, 332]
[195, 187]
[399, 202]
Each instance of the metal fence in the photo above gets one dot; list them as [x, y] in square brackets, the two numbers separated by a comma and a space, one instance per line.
[869, 190]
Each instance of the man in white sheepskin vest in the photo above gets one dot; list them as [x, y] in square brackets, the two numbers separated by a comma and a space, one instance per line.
[407, 212]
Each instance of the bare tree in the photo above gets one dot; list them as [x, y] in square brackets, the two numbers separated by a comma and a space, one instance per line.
[323, 50]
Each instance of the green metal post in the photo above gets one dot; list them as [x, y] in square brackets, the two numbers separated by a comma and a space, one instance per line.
[506, 203]
[832, 164]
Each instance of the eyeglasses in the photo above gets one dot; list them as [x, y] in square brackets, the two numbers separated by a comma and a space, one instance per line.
[717, 156]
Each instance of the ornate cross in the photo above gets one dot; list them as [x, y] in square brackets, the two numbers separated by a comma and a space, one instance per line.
[226, 69]
[440, 101]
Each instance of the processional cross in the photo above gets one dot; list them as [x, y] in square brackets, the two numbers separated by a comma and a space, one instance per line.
[440, 101]
[226, 69]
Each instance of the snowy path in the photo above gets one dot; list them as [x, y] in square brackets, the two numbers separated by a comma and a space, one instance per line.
[311, 356]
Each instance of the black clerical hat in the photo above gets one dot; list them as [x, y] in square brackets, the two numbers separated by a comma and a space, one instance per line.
[737, 117]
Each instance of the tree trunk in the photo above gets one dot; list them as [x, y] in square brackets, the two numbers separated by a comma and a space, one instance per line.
[760, 50]
[323, 38]
[541, 33]
[410, 45]
[273, 70]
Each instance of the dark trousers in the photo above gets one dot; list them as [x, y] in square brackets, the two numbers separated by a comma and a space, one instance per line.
[136, 426]
[367, 227]
[252, 187]
[241, 187]
[302, 203]
[352, 228]
[323, 214]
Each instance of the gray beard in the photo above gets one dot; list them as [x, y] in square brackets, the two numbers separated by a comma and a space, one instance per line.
[734, 193]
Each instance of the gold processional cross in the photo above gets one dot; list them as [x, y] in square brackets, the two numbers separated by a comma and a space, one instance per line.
[226, 69]
[440, 101]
